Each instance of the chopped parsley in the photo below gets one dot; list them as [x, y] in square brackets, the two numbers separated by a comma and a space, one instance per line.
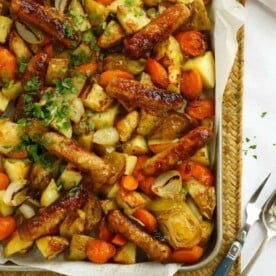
[263, 114]
[32, 84]
[22, 65]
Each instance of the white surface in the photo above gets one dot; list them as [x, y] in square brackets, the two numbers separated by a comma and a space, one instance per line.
[259, 97]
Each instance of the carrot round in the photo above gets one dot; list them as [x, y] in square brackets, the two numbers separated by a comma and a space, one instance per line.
[99, 251]
[4, 181]
[187, 255]
[7, 65]
[192, 43]
[201, 173]
[86, 69]
[129, 183]
[7, 227]
[104, 233]
[191, 84]
[119, 240]
[106, 76]
[200, 109]
[105, 2]
[149, 221]
[158, 73]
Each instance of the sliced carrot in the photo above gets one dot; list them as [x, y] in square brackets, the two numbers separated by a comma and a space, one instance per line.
[138, 172]
[192, 43]
[104, 233]
[49, 50]
[187, 255]
[191, 84]
[200, 109]
[196, 170]
[158, 73]
[149, 221]
[4, 181]
[86, 69]
[7, 227]
[106, 76]
[7, 65]
[145, 186]
[99, 251]
[119, 240]
[129, 183]
[105, 2]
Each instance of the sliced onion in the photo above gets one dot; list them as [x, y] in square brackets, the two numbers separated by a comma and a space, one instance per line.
[106, 136]
[27, 210]
[168, 184]
[29, 33]
[16, 193]
[61, 5]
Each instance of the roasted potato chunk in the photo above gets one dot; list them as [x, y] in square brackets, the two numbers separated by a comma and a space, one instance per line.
[51, 246]
[77, 250]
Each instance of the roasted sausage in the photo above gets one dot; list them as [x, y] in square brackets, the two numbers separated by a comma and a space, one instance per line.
[84, 160]
[37, 67]
[47, 19]
[132, 93]
[44, 222]
[185, 148]
[155, 249]
[157, 30]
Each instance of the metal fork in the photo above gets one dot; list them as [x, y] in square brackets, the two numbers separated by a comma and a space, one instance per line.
[252, 215]
[269, 222]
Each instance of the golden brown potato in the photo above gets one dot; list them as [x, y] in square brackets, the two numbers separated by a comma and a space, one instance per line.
[127, 125]
[147, 123]
[77, 250]
[124, 63]
[126, 254]
[16, 245]
[73, 223]
[137, 146]
[51, 246]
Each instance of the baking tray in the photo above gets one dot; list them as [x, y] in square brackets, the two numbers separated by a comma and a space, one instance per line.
[215, 242]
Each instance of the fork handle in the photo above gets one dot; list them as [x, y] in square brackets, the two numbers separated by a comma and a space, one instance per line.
[256, 256]
[227, 262]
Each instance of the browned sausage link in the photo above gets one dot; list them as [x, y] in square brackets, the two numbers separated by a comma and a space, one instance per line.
[37, 67]
[44, 222]
[134, 94]
[83, 159]
[182, 150]
[47, 19]
[156, 31]
[156, 250]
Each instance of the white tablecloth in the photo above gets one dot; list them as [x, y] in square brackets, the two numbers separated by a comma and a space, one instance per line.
[259, 122]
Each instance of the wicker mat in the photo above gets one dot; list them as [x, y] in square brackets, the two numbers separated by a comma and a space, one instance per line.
[232, 149]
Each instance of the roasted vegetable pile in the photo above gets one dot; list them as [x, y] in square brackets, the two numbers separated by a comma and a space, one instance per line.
[106, 115]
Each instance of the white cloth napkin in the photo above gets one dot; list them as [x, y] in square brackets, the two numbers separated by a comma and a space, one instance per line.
[259, 120]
